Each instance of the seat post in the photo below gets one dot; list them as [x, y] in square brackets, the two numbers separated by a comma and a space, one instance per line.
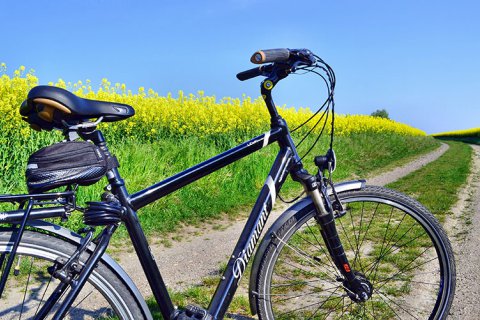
[96, 136]
[113, 175]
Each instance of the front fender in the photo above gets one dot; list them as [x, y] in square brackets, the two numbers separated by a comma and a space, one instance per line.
[304, 204]
[106, 259]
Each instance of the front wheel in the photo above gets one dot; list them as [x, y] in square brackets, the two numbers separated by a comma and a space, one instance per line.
[389, 238]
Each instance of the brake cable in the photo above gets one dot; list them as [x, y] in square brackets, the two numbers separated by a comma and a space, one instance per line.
[324, 109]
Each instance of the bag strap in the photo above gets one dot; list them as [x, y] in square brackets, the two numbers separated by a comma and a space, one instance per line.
[112, 162]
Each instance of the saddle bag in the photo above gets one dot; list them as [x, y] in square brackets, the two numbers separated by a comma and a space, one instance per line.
[65, 163]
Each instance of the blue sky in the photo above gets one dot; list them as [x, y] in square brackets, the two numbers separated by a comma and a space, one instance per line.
[417, 59]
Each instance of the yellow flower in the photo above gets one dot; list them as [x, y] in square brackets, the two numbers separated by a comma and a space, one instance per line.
[189, 114]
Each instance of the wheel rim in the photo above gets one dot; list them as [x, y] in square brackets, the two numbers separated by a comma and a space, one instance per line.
[406, 267]
[26, 293]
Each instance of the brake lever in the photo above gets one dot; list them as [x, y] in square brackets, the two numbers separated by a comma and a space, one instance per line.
[267, 69]
[305, 56]
[295, 66]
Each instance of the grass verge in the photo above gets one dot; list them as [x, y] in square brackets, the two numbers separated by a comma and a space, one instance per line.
[437, 184]
[230, 189]
[237, 185]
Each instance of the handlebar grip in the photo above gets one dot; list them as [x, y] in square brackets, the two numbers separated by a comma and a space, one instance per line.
[271, 55]
[249, 74]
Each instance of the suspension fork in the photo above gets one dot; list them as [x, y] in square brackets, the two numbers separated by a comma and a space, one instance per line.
[316, 188]
[328, 229]
[317, 191]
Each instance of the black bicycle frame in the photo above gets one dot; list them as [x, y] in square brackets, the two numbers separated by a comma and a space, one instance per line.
[286, 158]
[249, 236]
[161, 189]
[287, 161]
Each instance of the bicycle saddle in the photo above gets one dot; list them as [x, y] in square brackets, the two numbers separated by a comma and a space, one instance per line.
[47, 107]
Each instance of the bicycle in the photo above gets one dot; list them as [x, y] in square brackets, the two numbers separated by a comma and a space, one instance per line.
[347, 250]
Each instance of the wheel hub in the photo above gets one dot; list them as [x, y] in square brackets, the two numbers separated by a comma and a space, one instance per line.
[359, 290]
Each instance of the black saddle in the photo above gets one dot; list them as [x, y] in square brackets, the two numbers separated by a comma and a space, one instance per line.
[50, 107]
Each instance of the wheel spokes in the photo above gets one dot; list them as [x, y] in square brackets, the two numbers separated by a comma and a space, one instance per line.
[385, 243]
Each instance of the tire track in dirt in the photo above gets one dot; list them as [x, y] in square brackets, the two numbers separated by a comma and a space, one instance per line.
[464, 232]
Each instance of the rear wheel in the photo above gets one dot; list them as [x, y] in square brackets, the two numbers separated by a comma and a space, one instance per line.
[105, 296]
[390, 239]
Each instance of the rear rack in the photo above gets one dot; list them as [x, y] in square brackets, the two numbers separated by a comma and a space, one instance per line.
[60, 204]
[19, 198]
[52, 205]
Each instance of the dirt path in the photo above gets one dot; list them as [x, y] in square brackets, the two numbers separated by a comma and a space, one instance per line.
[399, 172]
[197, 256]
[465, 236]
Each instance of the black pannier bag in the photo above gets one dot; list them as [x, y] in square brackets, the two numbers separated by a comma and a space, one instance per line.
[65, 163]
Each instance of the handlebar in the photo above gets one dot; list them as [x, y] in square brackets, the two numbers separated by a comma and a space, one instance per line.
[270, 55]
[255, 72]
[283, 60]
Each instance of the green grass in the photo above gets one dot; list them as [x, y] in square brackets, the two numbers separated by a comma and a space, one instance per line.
[226, 191]
[237, 185]
[201, 294]
[437, 184]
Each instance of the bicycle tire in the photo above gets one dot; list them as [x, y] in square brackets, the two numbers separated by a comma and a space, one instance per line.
[401, 248]
[104, 295]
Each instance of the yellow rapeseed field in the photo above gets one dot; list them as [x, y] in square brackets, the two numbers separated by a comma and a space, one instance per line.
[474, 132]
[190, 114]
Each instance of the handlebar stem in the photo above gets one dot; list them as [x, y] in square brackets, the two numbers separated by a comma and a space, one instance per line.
[266, 88]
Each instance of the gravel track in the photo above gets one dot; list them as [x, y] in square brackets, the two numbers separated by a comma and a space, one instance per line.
[186, 262]
[464, 232]
[399, 172]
